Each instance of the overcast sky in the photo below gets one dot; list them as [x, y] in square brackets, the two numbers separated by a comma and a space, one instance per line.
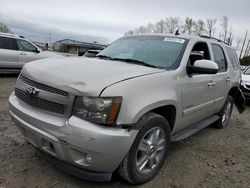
[106, 20]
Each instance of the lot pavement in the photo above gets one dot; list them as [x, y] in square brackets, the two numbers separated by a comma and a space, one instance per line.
[211, 158]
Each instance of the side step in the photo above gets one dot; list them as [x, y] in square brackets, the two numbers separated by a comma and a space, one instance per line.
[195, 128]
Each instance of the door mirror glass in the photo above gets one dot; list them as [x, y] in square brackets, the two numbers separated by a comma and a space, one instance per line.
[203, 67]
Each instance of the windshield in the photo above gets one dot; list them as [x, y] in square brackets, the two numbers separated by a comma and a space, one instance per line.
[157, 51]
[247, 71]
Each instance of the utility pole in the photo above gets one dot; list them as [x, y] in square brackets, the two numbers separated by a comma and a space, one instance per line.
[247, 48]
[243, 44]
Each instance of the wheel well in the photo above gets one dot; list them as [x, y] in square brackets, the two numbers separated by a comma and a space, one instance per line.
[233, 91]
[168, 112]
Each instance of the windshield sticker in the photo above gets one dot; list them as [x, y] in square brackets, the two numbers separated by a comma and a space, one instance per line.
[181, 41]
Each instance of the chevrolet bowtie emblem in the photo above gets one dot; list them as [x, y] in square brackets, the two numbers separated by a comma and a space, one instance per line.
[32, 91]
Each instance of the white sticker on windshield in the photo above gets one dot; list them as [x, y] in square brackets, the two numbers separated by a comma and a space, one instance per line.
[168, 39]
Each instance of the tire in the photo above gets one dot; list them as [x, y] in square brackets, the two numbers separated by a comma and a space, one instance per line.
[224, 114]
[145, 157]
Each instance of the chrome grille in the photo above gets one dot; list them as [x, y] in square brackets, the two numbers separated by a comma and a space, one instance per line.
[40, 103]
[43, 86]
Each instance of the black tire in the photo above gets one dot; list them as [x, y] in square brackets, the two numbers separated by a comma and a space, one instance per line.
[128, 169]
[227, 108]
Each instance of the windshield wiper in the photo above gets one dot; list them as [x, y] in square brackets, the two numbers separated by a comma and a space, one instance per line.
[104, 56]
[135, 61]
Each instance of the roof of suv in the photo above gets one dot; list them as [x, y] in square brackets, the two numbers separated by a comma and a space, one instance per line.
[10, 35]
[187, 37]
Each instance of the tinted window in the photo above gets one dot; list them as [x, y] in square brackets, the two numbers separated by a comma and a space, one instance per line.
[159, 51]
[25, 46]
[233, 57]
[219, 57]
[6, 43]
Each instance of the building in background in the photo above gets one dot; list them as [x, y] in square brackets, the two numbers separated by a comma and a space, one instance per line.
[76, 47]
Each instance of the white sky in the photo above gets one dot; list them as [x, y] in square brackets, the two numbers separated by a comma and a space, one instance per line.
[106, 20]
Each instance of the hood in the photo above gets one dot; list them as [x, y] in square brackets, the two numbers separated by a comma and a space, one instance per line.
[47, 54]
[245, 77]
[81, 75]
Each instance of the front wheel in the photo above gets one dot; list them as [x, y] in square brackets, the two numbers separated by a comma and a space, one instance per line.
[148, 151]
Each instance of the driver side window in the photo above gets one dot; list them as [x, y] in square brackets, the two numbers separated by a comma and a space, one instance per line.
[25, 46]
[200, 51]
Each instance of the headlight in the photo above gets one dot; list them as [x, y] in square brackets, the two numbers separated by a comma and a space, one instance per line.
[97, 109]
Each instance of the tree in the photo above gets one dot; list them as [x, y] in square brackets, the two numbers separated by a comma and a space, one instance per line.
[224, 25]
[189, 23]
[160, 26]
[172, 23]
[211, 26]
[4, 28]
[199, 27]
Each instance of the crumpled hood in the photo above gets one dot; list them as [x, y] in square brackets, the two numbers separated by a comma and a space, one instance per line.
[81, 75]
[246, 78]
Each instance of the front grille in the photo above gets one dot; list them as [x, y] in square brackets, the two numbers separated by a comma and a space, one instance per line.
[40, 103]
[43, 86]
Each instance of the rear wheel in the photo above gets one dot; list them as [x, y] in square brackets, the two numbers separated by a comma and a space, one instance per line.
[148, 151]
[225, 114]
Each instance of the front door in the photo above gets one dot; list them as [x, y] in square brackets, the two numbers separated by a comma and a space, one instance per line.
[198, 90]
[26, 52]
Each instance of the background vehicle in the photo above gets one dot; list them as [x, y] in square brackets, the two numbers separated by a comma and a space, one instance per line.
[15, 51]
[120, 110]
[245, 82]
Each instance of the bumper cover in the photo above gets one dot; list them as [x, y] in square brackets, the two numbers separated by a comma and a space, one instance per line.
[79, 143]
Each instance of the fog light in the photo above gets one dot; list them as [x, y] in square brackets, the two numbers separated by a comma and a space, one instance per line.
[88, 158]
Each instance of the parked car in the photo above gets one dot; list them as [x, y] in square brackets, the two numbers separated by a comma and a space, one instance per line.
[243, 67]
[120, 110]
[15, 51]
[245, 82]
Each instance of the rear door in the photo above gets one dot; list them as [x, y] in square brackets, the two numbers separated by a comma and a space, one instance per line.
[8, 54]
[222, 78]
[26, 52]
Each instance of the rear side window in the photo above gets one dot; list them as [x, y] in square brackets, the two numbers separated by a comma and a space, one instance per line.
[219, 57]
[6, 43]
[233, 57]
[25, 46]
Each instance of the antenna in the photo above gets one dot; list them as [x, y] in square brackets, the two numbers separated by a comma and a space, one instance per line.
[177, 32]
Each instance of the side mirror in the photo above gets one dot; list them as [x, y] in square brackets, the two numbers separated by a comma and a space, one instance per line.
[203, 67]
[38, 50]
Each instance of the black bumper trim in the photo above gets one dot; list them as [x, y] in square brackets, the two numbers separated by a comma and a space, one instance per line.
[78, 172]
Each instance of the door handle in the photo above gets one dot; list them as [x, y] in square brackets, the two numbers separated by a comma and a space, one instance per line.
[211, 84]
[228, 79]
[22, 53]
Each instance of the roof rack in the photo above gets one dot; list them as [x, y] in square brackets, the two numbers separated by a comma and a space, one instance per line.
[11, 35]
[208, 37]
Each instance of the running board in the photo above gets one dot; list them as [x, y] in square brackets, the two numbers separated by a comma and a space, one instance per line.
[197, 127]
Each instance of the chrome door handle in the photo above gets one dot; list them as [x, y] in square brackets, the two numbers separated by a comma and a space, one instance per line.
[211, 84]
[228, 80]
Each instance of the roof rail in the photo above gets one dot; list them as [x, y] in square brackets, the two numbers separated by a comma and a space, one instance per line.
[208, 37]
[11, 35]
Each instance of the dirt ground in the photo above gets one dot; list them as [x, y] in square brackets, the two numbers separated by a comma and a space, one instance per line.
[211, 158]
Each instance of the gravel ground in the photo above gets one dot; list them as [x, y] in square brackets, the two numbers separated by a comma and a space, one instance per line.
[210, 158]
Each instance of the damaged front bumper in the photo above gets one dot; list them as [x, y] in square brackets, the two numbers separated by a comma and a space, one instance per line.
[84, 145]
